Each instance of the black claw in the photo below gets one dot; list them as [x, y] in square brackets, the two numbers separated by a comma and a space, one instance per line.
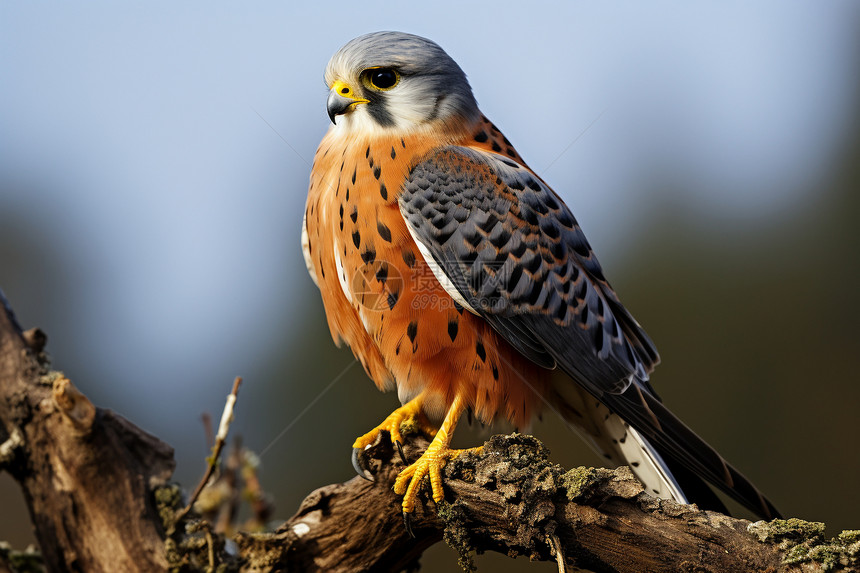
[400, 451]
[407, 521]
[358, 464]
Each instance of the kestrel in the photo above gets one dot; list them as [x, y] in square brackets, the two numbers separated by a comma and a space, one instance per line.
[460, 279]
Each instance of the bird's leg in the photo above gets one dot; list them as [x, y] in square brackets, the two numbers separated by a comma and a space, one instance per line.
[409, 412]
[432, 461]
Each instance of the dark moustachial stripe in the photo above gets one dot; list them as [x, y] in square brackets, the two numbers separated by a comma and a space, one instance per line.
[379, 111]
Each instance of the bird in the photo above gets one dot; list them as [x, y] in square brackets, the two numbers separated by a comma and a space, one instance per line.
[461, 280]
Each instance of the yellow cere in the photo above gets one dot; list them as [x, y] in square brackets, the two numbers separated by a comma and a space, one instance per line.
[343, 89]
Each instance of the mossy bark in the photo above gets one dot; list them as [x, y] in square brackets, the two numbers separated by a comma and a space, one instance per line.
[86, 473]
[96, 486]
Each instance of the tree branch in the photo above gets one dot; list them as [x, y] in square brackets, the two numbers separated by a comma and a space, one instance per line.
[512, 500]
[86, 473]
[95, 486]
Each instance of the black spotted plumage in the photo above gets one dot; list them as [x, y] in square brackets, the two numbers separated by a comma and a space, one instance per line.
[493, 228]
[515, 253]
[519, 290]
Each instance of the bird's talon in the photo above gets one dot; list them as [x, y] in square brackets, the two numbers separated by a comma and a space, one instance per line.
[358, 464]
[400, 451]
[391, 424]
[407, 521]
[430, 464]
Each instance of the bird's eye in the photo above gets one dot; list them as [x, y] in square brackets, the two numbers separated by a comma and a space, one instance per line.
[383, 78]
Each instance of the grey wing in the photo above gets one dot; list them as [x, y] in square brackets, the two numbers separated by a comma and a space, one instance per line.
[500, 240]
[516, 255]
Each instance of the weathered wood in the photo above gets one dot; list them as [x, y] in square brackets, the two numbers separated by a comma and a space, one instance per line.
[512, 500]
[85, 472]
[89, 476]
[353, 526]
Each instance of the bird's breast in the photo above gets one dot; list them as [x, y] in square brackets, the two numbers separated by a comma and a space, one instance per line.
[382, 297]
[367, 266]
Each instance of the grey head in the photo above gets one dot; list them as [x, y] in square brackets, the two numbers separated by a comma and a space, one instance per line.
[396, 81]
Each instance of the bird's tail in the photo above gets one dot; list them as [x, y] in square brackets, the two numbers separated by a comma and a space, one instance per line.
[668, 457]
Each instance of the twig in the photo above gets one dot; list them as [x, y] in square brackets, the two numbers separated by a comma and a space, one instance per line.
[220, 440]
[555, 545]
[210, 543]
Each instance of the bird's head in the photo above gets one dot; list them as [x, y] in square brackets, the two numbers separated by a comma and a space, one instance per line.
[391, 81]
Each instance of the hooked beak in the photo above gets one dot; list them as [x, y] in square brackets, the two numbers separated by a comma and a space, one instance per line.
[338, 104]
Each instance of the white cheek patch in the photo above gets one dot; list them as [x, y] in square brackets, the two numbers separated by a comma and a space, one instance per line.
[409, 106]
[357, 121]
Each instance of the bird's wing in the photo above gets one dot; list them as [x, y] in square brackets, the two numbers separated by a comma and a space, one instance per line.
[514, 252]
[502, 242]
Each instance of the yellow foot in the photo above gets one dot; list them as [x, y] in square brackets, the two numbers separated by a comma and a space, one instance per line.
[430, 463]
[409, 412]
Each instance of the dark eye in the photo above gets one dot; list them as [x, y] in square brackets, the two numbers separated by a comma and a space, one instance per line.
[383, 78]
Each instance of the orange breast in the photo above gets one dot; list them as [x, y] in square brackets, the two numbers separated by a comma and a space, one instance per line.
[382, 298]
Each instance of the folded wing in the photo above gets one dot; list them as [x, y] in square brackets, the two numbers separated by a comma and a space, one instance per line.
[504, 244]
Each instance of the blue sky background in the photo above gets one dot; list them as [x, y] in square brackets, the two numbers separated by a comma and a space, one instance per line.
[154, 160]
